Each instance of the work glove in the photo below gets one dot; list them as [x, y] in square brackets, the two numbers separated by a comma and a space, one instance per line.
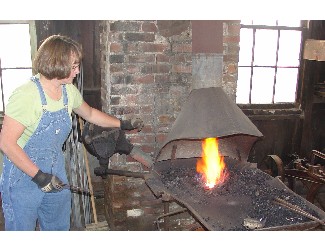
[134, 123]
[47, 182]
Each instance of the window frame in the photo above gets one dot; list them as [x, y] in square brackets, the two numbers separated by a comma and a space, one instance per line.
[285, 105]
[33, 44]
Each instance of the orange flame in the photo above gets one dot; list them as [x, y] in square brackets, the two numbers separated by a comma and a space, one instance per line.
[211, 165]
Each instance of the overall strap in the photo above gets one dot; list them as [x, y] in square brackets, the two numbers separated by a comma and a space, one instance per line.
[43, 99]
[65, 97]
[40, 89]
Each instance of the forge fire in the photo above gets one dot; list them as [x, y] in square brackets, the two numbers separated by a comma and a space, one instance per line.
[211, 166]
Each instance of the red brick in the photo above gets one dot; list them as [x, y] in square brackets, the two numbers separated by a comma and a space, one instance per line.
[155, 68]
[147, 149]
[165, 119]
[182, 57]
[161, 138]
[149, 27]
[146, 79]
[182, 48]
[231, 58]
[182, 69]
[143, 139]
[130, 99]
[231, 68]
[123, 25]
[141, 58]
[162, 77]
[232, 22]
[229, 78]
[147, 128]
[114, 68]
[153, 47]
[132, 69]
[115, 37]
[131, 47]
[116, 47]
[234, 29]
[146, 109]
[147, 37]
[162, 58]
[233, 49]
[231, 39]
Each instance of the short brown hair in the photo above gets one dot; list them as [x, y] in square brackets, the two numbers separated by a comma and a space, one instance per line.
[54, 56]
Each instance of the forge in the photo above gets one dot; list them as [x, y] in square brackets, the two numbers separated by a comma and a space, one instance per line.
[248, 194]
[249, 199]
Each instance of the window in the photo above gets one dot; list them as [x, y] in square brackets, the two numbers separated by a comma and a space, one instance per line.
[15, 56]
[269, 59]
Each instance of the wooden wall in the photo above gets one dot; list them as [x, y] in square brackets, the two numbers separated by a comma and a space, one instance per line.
[313, 131]
[85, 32]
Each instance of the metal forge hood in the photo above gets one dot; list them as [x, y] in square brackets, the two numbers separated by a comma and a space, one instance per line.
[209, 112]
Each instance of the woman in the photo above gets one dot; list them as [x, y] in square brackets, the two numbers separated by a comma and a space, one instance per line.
[36, 124]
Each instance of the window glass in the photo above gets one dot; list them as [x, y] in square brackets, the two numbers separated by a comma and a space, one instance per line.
[286, 81]
[246, 44]
[262, 85]
[15, 57]
[289, 48]
[243, 84]
[15, 50]
[265, 47]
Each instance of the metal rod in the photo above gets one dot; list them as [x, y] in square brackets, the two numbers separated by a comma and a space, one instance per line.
[76, 189]
[304, 179]
[126, 173]
[169, 214]
[297, 209]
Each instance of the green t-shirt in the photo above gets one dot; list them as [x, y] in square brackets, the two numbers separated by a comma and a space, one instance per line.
[25, 106]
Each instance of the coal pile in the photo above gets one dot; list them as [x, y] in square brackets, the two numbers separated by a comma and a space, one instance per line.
[247, 192]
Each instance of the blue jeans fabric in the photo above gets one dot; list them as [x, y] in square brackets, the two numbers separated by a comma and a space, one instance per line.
[23, 202]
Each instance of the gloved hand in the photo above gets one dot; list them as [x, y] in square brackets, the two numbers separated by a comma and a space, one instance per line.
[134, 123]
[47, 182]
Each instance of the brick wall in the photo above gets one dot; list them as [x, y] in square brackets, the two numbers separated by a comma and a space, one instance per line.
[231, 29]
[146, 72]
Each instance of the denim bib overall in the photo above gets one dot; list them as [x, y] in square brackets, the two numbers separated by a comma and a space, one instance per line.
[22, 201]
